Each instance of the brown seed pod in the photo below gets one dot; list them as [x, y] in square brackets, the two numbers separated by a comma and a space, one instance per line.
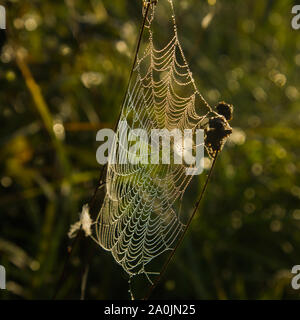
[225, 110]
[216, 123]
[216, 134]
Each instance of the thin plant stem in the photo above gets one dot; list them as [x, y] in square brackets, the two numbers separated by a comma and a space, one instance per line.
[166, 264]
[42, 109]
[63, 275]
[84, 282]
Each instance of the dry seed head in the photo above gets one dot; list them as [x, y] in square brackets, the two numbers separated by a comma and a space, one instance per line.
[225, 110]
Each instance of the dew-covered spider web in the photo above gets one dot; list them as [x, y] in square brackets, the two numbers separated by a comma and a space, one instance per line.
[140, 217]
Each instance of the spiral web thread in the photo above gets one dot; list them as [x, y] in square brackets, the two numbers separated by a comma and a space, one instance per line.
[139, 219]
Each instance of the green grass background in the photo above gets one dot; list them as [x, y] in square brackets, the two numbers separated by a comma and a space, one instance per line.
[65, 65]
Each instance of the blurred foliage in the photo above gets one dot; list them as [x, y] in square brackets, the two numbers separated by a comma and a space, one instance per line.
[63, 73]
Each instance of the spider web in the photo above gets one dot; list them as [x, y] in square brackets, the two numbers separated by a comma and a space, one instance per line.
[139, 218]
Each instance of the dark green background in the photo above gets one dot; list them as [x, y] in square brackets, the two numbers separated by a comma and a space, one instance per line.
[245, 239]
